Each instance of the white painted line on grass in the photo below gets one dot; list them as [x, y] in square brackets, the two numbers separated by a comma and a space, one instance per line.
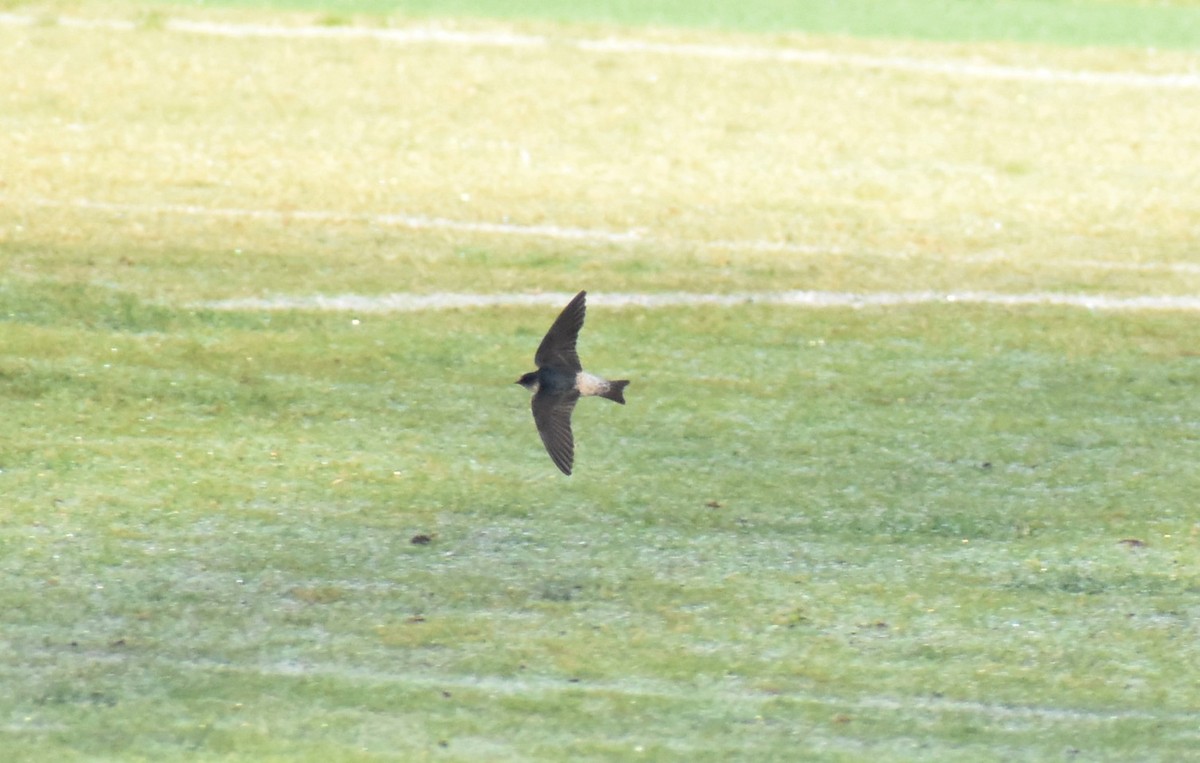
[407, 302]
[610, 45]
[555, 232]
[422, 222]
[400, 35]
[414, 222]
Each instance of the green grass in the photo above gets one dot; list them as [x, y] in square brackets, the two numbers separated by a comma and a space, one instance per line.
[818, 533]
[1073, 22]
[932, 533]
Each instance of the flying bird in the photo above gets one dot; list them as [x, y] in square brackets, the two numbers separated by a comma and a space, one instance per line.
[560, 381]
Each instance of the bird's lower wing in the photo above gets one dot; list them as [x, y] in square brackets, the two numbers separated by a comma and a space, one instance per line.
[552, 414]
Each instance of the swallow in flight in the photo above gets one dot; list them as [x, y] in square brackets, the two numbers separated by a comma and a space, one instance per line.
[560, 381]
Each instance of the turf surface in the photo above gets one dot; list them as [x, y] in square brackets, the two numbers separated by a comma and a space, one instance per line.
[1171, 24]
[940, 532]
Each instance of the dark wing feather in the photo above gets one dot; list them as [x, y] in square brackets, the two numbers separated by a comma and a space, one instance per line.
[557, 349]
[552, 414]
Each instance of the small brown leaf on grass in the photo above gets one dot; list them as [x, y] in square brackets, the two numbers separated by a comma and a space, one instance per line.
[713, 504]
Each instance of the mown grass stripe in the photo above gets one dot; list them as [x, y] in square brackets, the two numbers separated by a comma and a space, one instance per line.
[731, 693]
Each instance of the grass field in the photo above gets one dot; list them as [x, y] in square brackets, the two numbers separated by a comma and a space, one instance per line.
[1143, 23]
[933, 531]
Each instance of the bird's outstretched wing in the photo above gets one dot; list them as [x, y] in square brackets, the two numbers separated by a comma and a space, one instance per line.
[557, 349]
[552, 414]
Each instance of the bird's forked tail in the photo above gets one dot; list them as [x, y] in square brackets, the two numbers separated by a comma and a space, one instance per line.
[616, 391]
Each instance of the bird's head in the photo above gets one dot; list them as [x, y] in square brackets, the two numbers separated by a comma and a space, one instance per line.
[529, 381]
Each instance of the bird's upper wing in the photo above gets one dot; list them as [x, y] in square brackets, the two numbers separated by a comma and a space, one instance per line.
[552, 414]
[557, 349]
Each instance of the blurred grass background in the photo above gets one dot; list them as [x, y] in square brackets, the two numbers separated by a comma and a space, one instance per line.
[1136, 23]
[875, 177]
[942, 532]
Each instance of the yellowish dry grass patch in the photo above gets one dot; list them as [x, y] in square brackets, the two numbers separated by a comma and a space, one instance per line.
[883, 177]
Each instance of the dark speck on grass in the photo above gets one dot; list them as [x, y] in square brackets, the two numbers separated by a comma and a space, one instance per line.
[421, 540]
[1132, 542]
